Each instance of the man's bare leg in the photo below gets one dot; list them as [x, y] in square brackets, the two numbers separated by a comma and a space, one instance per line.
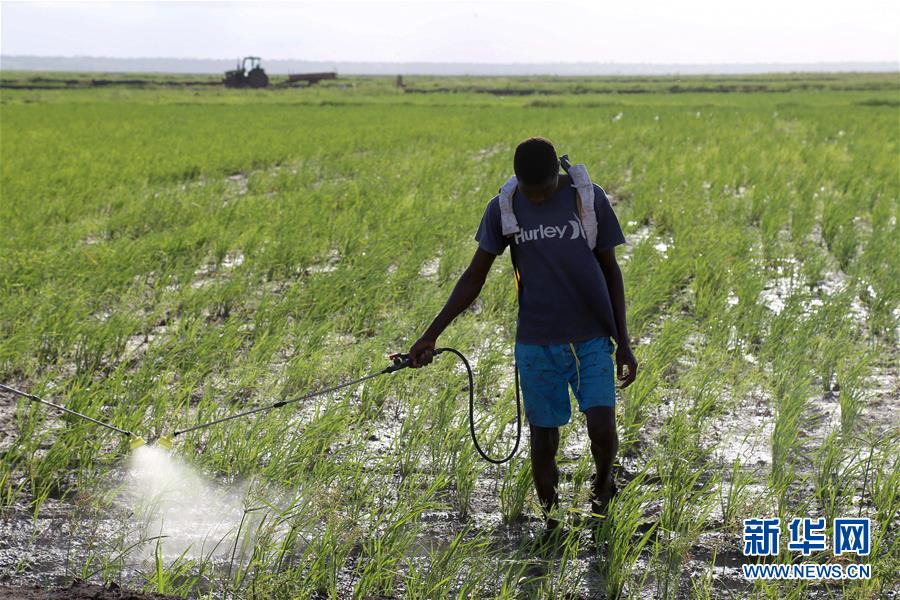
[544, 444]
[601, 424]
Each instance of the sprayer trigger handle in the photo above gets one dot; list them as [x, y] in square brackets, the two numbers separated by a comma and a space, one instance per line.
[399, 361]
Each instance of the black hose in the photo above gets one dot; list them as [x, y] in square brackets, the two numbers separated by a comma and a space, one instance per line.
[507, 458]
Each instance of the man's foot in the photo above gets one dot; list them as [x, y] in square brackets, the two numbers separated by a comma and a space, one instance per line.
[600, 505]
[550, 540]
[600, 498]
[599, 518]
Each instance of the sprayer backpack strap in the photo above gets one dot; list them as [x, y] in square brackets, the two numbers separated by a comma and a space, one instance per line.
[584, 199]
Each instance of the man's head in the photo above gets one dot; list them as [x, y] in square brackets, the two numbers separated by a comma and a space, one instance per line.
[537, 168]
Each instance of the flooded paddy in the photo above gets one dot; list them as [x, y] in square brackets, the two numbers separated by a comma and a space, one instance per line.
[185, 279]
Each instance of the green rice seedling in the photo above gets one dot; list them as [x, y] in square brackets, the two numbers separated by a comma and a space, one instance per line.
[581, 475]
[570, 575]
[515, 488]
[354, 482]
[625, 535]
[783, 473]
[656, 361]
[515, 577]
[834, 472]
[813, 262]
[709, 288]
[835, 336]
[803, 220]
[379, 560]
[306, 445]
[411, 443]
[562, 576]
[734, 495]
[326, 554]
[392, 532]
[851, 374]
[466, 468]
[443, 436]
[172, 579]
[705, 388]
[789, 407]
[838, 230]
[250, 537]
[880, 482]
[688, 498]
[702, 585]
[885, 477]
[287, 546]
[652, 286]
[750, 315]
[110, 567]
[95, 547]
[7, 493]
[876, 267]
[449, 570]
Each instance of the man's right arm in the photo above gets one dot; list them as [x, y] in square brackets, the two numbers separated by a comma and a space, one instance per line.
[464, 293]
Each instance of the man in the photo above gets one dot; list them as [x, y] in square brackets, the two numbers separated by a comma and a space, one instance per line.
[571, 306]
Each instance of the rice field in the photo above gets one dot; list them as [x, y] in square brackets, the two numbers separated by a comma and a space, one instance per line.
[173, 255]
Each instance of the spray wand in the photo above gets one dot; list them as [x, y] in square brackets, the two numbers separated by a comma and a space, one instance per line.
[136, 440]
[398, 361]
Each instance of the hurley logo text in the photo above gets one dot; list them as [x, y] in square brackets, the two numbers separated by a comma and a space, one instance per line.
[571, 231]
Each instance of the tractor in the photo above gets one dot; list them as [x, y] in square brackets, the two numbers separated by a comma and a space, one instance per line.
[247, 74]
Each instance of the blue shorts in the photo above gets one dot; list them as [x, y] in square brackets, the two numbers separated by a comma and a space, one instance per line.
[547, 370]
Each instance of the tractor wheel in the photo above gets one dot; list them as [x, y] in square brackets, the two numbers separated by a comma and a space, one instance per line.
[258, 78]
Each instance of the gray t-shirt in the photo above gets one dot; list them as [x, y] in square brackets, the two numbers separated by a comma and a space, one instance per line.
[562, 290]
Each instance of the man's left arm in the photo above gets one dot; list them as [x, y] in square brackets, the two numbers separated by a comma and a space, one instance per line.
[616, 286]
[609, 235]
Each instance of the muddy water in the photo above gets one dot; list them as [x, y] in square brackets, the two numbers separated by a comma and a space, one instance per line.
[45, 550]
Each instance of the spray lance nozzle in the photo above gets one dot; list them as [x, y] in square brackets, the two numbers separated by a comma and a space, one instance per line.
[164, 441]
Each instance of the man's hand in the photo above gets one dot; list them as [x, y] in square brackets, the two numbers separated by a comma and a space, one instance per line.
[421, 352]
[625, 358]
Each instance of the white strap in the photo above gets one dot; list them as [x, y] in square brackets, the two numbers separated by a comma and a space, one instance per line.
[581, 181]
[507, 216]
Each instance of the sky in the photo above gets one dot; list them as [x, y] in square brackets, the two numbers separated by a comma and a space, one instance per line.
[627, 31]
